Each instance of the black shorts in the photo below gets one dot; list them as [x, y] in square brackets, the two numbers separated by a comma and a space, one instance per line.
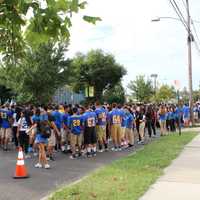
[90, 136]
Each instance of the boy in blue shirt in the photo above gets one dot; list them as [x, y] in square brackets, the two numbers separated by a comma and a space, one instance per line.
[6, 131]
[101, 114]
[74, 123]
[90, 138]
[115, 120]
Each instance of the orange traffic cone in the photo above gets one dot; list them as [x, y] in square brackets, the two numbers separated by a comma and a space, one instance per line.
[20, 171]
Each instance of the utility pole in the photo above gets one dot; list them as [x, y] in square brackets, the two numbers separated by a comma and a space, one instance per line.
[189, 42]
[155, 76]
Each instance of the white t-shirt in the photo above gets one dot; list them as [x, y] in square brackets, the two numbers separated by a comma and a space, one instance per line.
[23, 124]
[15, 120]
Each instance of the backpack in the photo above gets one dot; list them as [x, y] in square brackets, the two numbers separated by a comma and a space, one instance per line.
[45, 131]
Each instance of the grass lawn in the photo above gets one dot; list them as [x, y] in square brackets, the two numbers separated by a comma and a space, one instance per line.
[127, 178]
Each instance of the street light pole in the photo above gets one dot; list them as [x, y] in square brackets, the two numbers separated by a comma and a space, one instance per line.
[189, 43]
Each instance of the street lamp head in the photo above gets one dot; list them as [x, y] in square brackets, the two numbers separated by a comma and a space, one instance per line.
[157, 19]
[154, 75]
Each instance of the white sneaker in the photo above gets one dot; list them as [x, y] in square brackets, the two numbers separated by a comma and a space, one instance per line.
[119, 149]
[38, 165]
[47, 166]
[27, 156]
[35, 154]
[101, 151]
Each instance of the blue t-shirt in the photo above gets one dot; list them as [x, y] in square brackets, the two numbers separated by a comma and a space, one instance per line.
[75, 123]
[58, 118]
[36, 118]
[89, 118]
[115, 116]
[101, 116]
[65, 118]
[186, 112]
[5, 115]
[129, 120]
[162, 117]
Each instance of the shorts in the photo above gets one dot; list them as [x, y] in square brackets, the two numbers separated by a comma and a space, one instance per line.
[90, 135]
[123, 130]
[52, 139]
[6, 133]
[101, 132]
[39, 139]
[76, 140]
[116, 132]
[64, 134]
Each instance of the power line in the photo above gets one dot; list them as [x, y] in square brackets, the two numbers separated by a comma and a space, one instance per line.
[178, 12]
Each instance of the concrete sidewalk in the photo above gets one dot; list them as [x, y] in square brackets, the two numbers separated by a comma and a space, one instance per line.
[181, 180]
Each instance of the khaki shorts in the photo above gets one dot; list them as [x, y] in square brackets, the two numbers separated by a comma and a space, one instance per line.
[6, 133]
[123, 130]
[76, 140]
[101, 132]
[130, 135]
[52, 139]
[116, 132]
[64, 135]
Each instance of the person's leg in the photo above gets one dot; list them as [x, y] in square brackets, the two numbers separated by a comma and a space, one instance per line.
[113, 135]
[153, 127]
[119, 136]
[15, 135]
[43, 154]
[73, 144]
[8, 136]
[149, 127]
[26, 143]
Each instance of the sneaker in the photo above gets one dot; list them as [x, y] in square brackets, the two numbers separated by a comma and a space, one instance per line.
[119, 149]
[101, 151]
[27, 156]
[106, 149]
[38, 165]
[51, 158]
[72, 157]
[47, 166]
[35, 154]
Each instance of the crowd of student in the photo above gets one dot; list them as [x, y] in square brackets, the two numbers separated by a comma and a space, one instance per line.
[41, 131]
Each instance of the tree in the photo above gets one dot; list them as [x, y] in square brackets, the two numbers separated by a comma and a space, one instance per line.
[42, 71]
[5, 94]
[165, 93]
[115, 94]
[141, 89]
[35, 22]
[97, 69]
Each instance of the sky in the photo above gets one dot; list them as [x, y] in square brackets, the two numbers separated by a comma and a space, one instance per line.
[141, 46]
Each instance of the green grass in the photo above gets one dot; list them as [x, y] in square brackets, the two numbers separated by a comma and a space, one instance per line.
[127, 178]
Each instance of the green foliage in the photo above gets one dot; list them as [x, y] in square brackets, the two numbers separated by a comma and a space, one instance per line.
[141, 89]
[165, 94]
[5, 94]
[35, 22]
[42, 71]
[96, 69]
[115, 94]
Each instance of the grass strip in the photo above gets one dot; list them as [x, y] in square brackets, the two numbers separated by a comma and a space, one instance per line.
[129, 177]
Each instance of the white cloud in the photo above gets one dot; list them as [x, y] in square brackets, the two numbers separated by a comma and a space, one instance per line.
[141, 46]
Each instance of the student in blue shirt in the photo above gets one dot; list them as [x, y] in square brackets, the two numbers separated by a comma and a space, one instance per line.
[129, 127]
[186, 115]
[101, 114]
[75, 123]
[6, 122]
[65, 129]
[115, 120]
[90, 138]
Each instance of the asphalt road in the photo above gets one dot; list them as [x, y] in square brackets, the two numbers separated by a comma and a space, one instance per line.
[42, 182]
